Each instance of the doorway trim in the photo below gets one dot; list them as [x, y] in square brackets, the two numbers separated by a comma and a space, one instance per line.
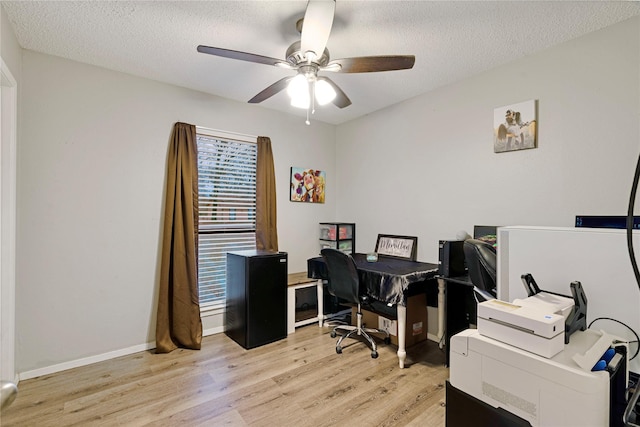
[8, 161]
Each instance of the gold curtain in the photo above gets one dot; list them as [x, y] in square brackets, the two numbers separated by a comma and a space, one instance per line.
[266, 215]
[178, 322]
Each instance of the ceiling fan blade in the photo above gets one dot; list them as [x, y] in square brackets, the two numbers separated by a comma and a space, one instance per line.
[370, 64]
[244, 56]
[341, 100]
[316, 26]
[271, 90]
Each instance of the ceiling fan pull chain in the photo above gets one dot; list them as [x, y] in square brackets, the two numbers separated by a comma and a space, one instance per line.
[312, 88]
[312, 101]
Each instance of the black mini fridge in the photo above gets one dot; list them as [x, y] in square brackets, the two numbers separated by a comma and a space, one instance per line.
[256, 311]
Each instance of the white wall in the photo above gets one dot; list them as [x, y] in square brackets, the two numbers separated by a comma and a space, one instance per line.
[426, 167]
[9, 47]
[91, 172]
[597, 258]
[92, 152]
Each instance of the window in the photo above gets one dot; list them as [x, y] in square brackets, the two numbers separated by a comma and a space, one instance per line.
[227, 209]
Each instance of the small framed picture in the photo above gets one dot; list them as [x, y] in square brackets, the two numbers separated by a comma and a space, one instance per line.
[307, 185]
[515, 127]
[405, 247]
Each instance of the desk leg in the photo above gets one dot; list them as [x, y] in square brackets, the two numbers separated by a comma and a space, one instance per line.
[402, 328]
[320, 302]
[441, 311]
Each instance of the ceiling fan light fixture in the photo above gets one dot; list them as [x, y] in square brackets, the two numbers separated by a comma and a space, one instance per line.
[310, 55]
[300, 101]
[324, 92]
[298, 91]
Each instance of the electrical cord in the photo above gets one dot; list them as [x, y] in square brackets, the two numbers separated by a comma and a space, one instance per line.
[630, 221]
[632, 256]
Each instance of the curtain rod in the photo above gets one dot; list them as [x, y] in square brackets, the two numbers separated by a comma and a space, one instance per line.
[227, 134]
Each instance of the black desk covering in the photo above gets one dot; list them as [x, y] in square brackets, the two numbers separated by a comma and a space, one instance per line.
[387, 279]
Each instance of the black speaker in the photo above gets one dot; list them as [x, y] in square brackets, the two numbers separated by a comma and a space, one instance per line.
[451, 258]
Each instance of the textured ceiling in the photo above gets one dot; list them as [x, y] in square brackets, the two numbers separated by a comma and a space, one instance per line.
[451, 40]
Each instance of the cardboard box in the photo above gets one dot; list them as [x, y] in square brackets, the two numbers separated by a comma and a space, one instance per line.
[416, 321]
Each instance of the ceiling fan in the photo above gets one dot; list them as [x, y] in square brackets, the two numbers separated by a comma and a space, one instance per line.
[308, 56]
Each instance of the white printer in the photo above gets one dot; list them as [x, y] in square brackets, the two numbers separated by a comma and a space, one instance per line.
[527, 364]
[529, 328]
[550, 392]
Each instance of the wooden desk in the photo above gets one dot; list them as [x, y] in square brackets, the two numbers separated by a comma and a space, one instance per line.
[387, 280]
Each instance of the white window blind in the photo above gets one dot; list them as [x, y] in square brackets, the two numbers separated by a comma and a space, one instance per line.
[227, 210]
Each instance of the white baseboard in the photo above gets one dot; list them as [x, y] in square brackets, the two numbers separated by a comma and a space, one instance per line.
[99, 358]
[213, 331]
[86, 361]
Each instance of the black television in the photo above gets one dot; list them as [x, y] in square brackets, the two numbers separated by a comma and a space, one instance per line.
[484, 231]
[487, 233]
[606, 221]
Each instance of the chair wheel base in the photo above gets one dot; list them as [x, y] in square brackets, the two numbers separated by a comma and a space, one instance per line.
[374, 354]
[339, 350]
[333, 334]
[387, 340]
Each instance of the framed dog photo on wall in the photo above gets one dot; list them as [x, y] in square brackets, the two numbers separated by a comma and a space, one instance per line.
[515, 127]
[307, 185]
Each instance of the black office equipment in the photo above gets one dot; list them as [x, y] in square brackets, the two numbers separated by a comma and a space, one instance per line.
[451, 261]
[463, 409]
[256, 311]
[464, 291]
[460, 308]
[604, 221]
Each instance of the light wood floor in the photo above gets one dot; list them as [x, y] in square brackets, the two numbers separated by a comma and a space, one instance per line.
[298, 381]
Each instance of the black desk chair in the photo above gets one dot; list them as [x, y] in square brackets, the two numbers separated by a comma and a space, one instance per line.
[345, 284]
[481, 260]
